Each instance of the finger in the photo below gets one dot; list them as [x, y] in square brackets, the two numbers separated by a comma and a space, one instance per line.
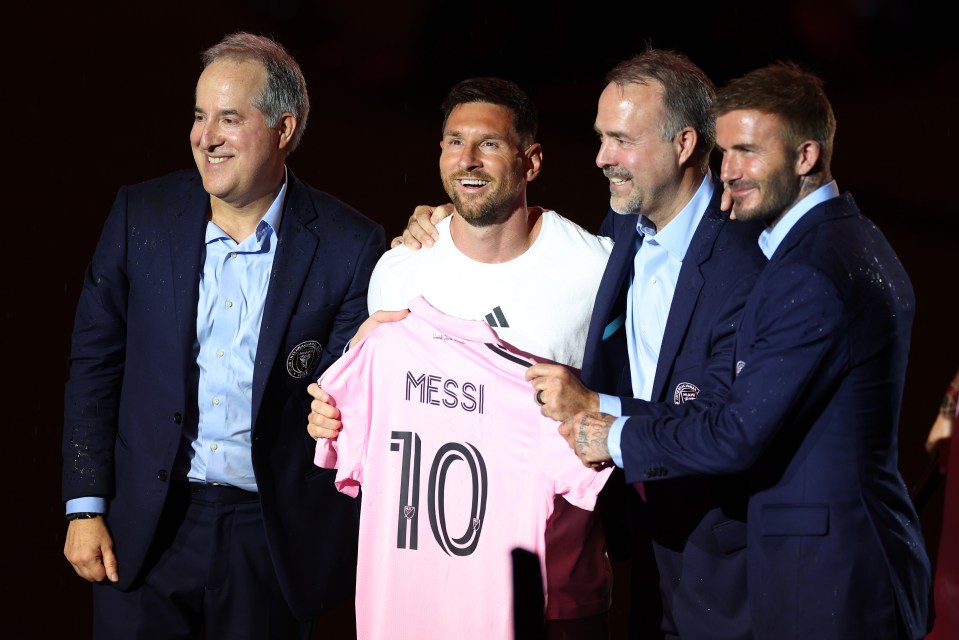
[110, 565]
[395, 242]
[410, 240]
[726, 202]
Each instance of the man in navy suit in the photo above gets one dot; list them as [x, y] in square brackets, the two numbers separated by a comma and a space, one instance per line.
[665, 311]
[834, 548]
[214, 297]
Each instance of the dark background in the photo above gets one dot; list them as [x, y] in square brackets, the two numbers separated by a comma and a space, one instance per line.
[101, 94]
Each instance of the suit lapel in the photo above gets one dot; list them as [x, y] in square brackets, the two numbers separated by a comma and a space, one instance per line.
[689, 286]
[295, 251]
[187, 234]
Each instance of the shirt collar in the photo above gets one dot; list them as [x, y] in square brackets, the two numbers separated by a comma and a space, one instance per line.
[676, 236]
[270, 221]
[770, 239]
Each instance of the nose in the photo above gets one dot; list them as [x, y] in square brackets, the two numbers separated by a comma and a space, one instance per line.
[728, 169]
[206, 134]
[604, 157]
[468, 159]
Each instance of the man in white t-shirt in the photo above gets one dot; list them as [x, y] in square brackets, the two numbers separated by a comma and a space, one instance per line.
[507, 264]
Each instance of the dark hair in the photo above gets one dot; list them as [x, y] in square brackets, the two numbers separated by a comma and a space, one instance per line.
[285, 89]
[687, 93]
[496, 91]
[793, 94]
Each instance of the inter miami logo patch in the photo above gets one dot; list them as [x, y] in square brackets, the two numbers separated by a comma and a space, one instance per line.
[739, 366]
[685, 391]
[303, 358]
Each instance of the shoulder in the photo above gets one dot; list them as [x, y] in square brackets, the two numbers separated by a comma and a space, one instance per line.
[558, 229]
[170, 186]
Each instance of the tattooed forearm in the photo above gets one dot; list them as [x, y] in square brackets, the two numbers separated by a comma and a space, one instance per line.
[590, 433]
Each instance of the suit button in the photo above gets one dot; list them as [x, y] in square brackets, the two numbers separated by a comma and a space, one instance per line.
[161, 475]
[177, 418]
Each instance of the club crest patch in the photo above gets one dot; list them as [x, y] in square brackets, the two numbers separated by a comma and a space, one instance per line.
[685, 391]
[739, 366]
[303, 358]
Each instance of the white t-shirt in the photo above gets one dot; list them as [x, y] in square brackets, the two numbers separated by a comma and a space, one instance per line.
[457, 466]
[540, 302]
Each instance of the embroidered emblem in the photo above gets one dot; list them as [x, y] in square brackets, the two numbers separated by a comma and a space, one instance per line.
[303, 358]
[739, 366]
[476, 524]
[685, 391]
[409, 511]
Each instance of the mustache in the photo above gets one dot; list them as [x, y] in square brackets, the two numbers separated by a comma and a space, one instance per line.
[611, 172]
[475, 175]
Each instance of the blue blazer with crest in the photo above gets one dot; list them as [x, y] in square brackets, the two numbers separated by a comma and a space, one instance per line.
[131, 397]
[694, 527]
[834, 546]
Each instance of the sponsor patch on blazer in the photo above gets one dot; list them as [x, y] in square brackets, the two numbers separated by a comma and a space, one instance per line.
[684, 392]
[739, 366]
[303, 358]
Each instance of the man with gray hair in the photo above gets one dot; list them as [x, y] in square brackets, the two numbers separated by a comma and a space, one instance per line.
[214, 297]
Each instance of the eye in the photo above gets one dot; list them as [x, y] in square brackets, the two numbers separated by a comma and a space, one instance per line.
[198, 117]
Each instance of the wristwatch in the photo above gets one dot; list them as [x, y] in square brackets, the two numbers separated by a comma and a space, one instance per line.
[82, 515]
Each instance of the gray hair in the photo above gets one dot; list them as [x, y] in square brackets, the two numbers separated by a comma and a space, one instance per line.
[285, 89]
[687, 93]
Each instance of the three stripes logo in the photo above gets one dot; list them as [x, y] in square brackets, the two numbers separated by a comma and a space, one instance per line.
[496, 318]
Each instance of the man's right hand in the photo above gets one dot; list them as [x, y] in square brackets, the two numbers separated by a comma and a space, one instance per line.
[89, 548]
[324, 418]
[421, 227]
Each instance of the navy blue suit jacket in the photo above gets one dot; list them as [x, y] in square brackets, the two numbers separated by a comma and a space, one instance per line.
[696, 527]
[834, 547]
[131, 398]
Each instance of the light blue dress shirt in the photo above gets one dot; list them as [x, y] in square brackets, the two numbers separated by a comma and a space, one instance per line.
[233, 287]
[652, 285]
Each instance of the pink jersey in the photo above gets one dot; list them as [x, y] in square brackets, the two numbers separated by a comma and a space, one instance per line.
[457, 468]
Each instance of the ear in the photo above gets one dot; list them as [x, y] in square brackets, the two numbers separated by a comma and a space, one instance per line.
[685, 142]
[285, 126]
[807, 158]
[534, 161]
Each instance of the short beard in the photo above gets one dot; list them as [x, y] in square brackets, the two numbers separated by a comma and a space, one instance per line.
[780, 193]
[488, 213]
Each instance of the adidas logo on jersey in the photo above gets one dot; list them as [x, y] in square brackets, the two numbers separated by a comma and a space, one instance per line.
[496, 318]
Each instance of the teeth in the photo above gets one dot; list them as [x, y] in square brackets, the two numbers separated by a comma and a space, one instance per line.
[617, 180]
[214, 160]
[473, 183]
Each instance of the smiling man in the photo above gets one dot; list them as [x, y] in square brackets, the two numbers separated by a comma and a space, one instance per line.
[214, 297]
[512, 266]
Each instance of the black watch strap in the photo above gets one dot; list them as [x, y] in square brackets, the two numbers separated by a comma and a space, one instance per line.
[82, 515]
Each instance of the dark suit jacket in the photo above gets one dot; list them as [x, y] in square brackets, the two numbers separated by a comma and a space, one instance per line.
[696, 526]
[131, 397]
[834, 546]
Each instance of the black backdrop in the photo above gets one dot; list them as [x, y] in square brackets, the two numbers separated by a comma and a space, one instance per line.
[100, 94]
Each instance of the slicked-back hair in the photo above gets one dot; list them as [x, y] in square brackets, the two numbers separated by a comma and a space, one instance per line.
[687, 93]
[501, 92]
[795, 95]
[285, 88]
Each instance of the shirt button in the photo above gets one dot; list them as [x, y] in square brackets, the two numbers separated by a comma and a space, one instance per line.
[213, 447]
[216, 402]
[219, 353]
[228, 304]
[652, 280]
[233, 255]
